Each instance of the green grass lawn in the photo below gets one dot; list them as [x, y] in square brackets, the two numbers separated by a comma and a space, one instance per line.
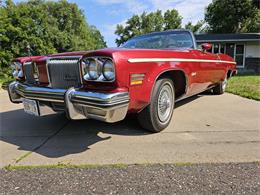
[245, 85]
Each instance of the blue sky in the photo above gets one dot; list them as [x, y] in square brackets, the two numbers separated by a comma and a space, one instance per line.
[106, 14]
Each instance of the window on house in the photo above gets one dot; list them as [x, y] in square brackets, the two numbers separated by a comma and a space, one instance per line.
[216, 48]
[230, 48]
[239, 55]
[222, 48]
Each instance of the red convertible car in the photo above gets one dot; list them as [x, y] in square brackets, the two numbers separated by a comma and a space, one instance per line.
[146, 75]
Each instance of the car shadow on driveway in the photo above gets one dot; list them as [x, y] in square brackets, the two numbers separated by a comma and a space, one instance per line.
[54, 136]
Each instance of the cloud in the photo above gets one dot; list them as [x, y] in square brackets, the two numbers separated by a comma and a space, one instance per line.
[132, 6]
[109, 32]
[190, 10]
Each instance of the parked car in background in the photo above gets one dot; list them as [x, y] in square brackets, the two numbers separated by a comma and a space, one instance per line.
[146, 75]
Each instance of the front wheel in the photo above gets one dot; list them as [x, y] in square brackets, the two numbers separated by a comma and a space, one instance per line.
[220, 88]
[158, 114]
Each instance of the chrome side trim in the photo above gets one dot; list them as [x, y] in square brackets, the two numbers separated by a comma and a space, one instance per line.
[136, 60]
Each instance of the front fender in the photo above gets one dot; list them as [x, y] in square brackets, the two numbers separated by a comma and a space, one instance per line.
[140, 95]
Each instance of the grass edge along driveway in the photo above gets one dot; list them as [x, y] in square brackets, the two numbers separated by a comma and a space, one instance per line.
[247, 86]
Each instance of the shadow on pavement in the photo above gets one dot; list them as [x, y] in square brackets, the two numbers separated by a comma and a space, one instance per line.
[54, 136]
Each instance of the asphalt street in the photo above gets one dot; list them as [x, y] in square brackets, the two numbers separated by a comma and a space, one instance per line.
[242, 178]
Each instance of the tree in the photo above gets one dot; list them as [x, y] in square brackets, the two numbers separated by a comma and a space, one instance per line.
[146, 23]
[196, 28]
[233, 16]
[172, 19]
[46, 26]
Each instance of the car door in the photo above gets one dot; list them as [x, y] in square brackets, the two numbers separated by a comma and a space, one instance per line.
[202, 71]
[211, 70]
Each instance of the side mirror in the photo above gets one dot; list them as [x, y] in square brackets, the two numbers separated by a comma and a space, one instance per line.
[206, 47]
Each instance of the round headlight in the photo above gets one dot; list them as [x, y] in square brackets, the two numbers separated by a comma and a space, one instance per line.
[93, 69]
[108, 70]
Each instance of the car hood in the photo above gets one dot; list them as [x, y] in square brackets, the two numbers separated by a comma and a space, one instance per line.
[26, 59]
[76, 53]
[141, 53]
[121, 49]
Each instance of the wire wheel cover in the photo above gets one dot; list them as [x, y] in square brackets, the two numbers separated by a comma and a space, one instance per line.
[165, 103]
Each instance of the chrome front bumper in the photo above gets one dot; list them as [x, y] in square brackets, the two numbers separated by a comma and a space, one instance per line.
[78, 104]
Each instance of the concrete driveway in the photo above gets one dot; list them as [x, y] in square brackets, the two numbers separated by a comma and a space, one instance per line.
[204, 128]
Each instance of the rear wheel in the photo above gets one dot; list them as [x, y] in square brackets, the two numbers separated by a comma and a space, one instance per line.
[220, 88]
[158, 114]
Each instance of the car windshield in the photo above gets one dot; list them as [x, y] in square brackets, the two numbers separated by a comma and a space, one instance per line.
[163, 40]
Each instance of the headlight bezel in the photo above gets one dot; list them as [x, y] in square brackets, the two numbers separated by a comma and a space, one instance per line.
[100, 62]
[17, 69]
[18, 65]
[36, 72]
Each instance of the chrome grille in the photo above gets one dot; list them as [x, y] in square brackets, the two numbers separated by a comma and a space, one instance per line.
[64, 72]
[28, 72]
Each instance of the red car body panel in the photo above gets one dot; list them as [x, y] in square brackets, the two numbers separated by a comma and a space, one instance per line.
[76, 53]
[207, 73]
[26, 59]
[107, 84]
[200, 75]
